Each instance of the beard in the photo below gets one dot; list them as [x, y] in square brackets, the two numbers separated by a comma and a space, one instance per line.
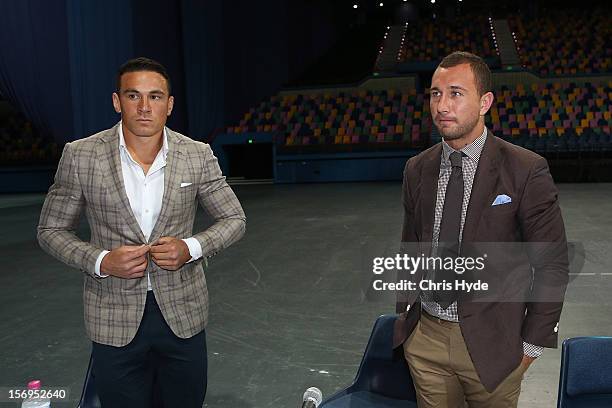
[457, 131]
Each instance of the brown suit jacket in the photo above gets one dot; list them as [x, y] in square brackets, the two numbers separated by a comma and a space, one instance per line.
[89, 178]
[531, 281]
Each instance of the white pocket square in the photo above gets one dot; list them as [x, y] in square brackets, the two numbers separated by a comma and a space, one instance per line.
[501, 199]
[186, 184]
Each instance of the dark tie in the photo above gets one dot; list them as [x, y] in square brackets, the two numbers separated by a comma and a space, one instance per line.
[450, 227]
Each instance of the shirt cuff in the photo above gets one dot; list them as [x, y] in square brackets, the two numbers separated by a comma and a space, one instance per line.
[98, 263]
[195, 249]
[532, 351]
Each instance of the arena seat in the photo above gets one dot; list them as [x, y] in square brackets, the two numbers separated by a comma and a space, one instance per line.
[586, 373]
[383, 379]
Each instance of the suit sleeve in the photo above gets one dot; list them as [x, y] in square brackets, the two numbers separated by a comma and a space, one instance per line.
[543, 231]
[219, 201]
[60, 217]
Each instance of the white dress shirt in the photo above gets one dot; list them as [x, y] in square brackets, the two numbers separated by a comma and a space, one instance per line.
[145, 193]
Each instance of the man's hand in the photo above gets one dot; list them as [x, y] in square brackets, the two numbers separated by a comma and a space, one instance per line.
[170, 253]
[127, 262]
[527, 361]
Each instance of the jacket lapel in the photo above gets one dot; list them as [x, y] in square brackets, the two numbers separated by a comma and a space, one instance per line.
[429, 191]
[485, 181]
[113, 167]
[172, 177]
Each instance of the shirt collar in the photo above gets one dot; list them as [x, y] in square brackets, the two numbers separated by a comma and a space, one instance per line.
[473, 150]
[123, 147]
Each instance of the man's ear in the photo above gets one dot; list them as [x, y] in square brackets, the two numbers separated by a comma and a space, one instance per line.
[116, 102]
[486, 101]
[170, 105]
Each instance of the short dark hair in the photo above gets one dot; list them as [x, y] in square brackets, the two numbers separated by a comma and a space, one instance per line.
[143, 64]
[480, 69]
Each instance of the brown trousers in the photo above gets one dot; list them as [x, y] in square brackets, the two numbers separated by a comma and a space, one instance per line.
[443, 373]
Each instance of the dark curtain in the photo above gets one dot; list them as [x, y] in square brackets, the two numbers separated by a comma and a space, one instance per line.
[100, 40]
[239, 52]
[59, 57]
[257, 43]
[157, 34]
[34, 69]
[204, 68]
[267, 44]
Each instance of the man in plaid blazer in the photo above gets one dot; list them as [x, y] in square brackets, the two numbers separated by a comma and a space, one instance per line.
[145, 294]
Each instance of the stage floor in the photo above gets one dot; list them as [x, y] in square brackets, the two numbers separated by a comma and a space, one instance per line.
[291, 303]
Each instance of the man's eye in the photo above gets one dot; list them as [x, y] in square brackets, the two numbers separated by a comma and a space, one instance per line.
[132, 96]
[435, 93]
[457, 93]
[155, 97]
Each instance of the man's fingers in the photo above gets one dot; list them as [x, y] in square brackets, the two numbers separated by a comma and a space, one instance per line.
[164, 240]
[141, 250]
[162, 256]
[141, 267]
[139, 264]
[168, 265]
[137, 271]
[164, 263]
[135, 275]
[127, 253]
[134, 263]
[160, 249]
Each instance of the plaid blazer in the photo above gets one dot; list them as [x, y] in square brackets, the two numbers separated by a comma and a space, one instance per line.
[89, 178]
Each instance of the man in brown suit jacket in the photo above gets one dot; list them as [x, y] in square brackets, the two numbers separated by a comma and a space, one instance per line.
[490, 197]
[145, 295]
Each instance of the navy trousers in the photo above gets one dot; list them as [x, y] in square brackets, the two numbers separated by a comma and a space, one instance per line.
[156, 362]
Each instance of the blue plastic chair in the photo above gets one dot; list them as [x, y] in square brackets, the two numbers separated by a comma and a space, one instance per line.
[586, 373]
[383, 379]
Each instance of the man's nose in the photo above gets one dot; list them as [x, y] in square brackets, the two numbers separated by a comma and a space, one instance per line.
[144, 105]
[443, 104]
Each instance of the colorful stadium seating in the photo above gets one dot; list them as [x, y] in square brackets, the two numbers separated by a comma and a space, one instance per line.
[558, 116]
[432, 40]
[555, 117]
[356, 117]
[21, 144]
[564, 43]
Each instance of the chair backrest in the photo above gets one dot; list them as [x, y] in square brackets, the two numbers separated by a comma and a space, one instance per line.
[586, 373]
[383, 370]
